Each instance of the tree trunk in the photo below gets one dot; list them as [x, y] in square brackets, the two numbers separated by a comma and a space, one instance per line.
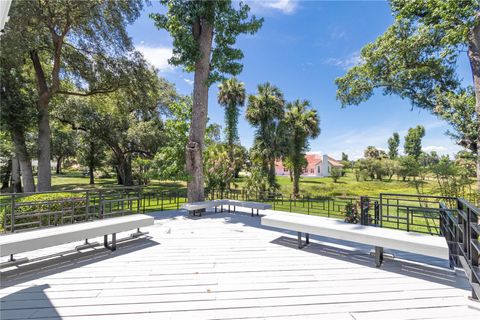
[124, 170]
[18, 137]
[59, 165]
[119, 175]
[271, 172]
[474, 58]
[203, 34]
[296, 182]
[6, 175]
[91, 169]
[44, 164]
[16, 182]
[44, 96]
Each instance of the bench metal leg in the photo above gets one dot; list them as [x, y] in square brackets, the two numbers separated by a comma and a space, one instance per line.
[13, 262]
[378, 256]
[252, 212]
[307, 240]
[86, 244]
[138, 233]
[257, 212]
[113, 246]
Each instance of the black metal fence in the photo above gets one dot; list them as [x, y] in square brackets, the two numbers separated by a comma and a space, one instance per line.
[26, 211]
[461, 228]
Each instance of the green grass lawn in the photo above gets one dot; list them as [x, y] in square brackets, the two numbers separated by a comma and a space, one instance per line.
[76, 180]
[348, 186]
[315, 186]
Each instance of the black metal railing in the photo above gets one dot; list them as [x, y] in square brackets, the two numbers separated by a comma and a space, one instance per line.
[461, 228]
[25, 211]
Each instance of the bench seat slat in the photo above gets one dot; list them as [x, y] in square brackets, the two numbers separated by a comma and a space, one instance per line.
[393, 239]
[42, 238]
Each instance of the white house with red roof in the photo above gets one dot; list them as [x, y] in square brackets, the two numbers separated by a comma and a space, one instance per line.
[317, 166]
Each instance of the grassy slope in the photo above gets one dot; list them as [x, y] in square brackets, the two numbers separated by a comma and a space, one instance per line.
[348, 186]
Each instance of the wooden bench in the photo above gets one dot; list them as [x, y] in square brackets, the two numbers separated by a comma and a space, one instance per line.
[378, 237]
[195, 207]
[200, 206]
[246, 204]
[15, 243]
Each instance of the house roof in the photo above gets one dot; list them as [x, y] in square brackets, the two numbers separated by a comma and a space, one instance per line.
[313, 159]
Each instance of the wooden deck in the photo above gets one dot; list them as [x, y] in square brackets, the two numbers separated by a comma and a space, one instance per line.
[226, 266]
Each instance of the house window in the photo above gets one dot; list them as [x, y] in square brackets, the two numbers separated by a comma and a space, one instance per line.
[285, 169]
[328, 169]
[312, 170]
[318, 169]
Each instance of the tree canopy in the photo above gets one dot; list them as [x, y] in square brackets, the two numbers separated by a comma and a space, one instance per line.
[413, 142]
[416, 58]
[184, 21]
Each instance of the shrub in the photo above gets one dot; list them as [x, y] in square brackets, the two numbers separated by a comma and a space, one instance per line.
[335, 174]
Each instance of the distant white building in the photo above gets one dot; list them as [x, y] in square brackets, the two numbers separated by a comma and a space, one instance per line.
[317, 166]
[53, 165]
[4, 8]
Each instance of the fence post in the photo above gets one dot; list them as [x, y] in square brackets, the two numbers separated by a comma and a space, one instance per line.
[308, 205]
[176, 200]
[12, 217]
[161, 200]
[87, 205]
[380, 213]
[364, 206]
[139, 195]
[100, 204]
[408, 219]
[328, 207]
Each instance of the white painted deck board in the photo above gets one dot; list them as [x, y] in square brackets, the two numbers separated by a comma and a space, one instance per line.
[227, 266]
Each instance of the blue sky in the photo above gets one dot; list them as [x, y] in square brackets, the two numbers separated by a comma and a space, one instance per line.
[302, 47]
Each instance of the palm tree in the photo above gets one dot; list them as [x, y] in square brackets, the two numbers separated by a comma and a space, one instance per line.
[265, 111]
[301, 124]
[231, 96]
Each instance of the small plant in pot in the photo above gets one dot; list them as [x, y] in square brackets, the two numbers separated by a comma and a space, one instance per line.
[351, 213]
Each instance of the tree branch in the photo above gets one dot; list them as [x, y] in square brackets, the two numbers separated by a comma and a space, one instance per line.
[89, 93]
[39, 74]
[71, 123]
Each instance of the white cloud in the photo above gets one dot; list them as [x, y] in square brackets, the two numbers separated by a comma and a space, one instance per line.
[190, 82]
[439, 149]
[157, 56]
[284, 6]
[345, 63]
[337, 34]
